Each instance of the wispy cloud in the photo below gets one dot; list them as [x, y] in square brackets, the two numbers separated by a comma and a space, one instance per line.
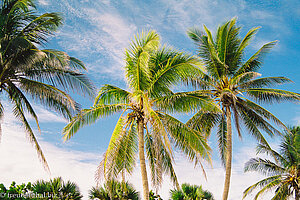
[99, 31]
[43, 2]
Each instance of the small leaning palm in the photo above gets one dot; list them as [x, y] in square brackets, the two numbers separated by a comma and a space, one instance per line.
[232, 82]
[29, 74]
[144, 124]
[283, 173]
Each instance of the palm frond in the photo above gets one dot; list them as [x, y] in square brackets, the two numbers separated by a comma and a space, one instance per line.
[243, 77]
[252, 122]
[261, 148]
[155, 159]
[186, 102]
[264, 82]
[16, 95]
[110, 94]
[191, 142]
[121, 151]
[169, 67]
[267, 95]
[50, 96]
[19, 114]
[222, 138]
[264, 166]
[263, 112]
[267, 182]
[256, 117]
[207, 51]
[244, 43]
[137, 57]
[255, 61]
[89, 116]
[41, 27]
[227, 44]
[62, 70]
[204, 120]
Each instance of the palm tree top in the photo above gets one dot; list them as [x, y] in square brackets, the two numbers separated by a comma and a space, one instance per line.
[228, 73]
[29, 73]
[283, 172]
[145, 123]
[233, 81]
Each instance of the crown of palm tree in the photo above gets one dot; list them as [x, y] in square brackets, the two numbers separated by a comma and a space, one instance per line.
[29, 73]
[150, 71]
[230, 79]
[283, 173]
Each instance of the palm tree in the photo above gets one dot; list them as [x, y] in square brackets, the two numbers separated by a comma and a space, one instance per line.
[114, 190]
[28, 73]
[57, 189]
[191, 192]
[229, 81]
[283, 173]
[144, 123]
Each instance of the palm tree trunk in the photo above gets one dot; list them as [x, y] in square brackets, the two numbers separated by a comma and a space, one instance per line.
[142, 159]
[228, 154]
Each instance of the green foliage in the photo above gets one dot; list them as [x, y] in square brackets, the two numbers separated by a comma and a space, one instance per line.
[191, 192]
[150, 71]
[114, 190]
[30, 74]
[54, 189]
[283, 172]
[17, 192]
[231, 81]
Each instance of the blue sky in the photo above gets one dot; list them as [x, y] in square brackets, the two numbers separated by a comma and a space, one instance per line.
[98, 31]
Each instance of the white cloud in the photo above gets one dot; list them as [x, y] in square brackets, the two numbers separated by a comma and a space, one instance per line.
[43, 2]
[19, 161]
[98, 34]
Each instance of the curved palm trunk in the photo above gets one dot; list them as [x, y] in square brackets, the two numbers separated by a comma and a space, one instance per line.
[228, 154]
[142, 159]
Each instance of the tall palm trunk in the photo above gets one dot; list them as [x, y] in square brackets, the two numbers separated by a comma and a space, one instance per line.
[142, 159]
[228, 154]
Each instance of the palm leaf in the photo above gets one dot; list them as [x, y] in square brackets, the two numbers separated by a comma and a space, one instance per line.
[110, 94]
[255, 61]
[19, 114]
[267, 95]
[89, 116]
[273, 181]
